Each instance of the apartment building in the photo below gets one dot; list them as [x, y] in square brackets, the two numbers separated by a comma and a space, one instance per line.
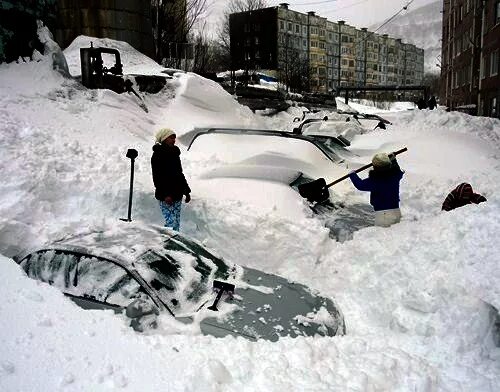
[470, 56]
[307, 52]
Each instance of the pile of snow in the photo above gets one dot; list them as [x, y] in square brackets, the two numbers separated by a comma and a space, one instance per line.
[372, 107]
[133, 61]
[418, 297]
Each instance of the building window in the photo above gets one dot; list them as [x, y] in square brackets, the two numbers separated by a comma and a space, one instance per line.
[256, 27]
[289, 26]
[297, 29]
[494, 63]
[304, 43]
[314, 44]
[314, 30]
[322, 45]
[282, 25]
[256, 40]
[246, 28]
[257, 54]
[494, 112]
[497, 12]
[304, 30]
[321, 32]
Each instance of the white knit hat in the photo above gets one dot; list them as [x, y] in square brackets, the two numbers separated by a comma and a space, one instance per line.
[163, 133]
[381, 160]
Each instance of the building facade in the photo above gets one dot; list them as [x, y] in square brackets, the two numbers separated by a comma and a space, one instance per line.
[307, 52]
[470, 56]
[127, 20]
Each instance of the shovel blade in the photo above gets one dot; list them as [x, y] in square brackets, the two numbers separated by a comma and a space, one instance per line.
[314, 191]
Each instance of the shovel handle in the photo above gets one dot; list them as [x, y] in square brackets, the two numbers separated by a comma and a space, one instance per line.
[363, 168]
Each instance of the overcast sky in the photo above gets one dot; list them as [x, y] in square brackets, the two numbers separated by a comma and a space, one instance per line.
[359, 13]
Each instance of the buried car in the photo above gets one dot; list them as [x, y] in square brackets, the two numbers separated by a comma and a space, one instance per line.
[147, 271]
[343, 126]
[249, 163]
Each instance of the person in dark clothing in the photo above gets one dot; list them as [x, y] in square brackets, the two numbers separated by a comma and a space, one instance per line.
[422, 104]
[383, 185]
[462, 195]
[168, 178]
[432, 103]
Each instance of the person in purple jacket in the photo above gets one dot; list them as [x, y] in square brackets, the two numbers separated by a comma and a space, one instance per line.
[383, 185]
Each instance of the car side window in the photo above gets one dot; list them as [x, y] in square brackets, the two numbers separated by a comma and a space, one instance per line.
[50, 266]
[104, 281]
[84, 276]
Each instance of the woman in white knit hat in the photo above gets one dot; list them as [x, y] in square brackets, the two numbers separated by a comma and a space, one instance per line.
[383, 185]
[168, 178]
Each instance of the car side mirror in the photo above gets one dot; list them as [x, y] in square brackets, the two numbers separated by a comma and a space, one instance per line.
[139, 308]
[142, 314]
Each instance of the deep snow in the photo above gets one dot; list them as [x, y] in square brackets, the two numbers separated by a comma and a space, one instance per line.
[417, 297]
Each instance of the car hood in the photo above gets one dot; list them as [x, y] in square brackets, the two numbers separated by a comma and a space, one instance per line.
[266, 306]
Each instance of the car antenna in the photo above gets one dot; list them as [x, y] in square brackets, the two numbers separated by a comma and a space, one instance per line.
[132, 154]
[221, 287]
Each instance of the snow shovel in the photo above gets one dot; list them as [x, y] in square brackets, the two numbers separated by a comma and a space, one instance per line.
[132, 154]
[317, 191]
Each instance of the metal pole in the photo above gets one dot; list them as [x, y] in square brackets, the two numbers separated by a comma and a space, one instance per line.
[480, 108]
[129, 215]
[131, 154]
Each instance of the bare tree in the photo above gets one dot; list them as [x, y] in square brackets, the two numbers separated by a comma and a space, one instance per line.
[223, 33]
[294, 70]
[204, 60]
[173, 21]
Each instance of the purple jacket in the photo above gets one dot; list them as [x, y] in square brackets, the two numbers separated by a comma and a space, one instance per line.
[383, 185]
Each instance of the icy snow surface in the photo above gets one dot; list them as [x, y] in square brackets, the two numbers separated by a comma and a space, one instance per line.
[417, 297]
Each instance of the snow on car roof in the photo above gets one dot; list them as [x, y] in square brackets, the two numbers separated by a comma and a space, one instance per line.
[123, 241]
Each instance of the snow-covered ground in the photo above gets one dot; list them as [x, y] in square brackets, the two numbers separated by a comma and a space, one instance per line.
[417, 297]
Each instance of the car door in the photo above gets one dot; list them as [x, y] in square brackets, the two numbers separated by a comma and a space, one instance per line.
[91, 282]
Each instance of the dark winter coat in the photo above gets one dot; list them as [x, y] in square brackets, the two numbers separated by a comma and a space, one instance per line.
[383, 185]
[461, 196]
[168, 177]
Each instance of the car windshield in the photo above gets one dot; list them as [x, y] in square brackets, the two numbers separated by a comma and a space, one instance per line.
[182, 272]
[332, 147]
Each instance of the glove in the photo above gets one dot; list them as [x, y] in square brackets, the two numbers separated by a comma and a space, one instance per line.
[188, 198]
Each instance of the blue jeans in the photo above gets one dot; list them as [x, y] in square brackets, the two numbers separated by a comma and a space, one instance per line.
[172, 214]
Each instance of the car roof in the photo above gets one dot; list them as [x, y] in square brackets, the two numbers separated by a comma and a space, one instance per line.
[189, 137]
[123, 242]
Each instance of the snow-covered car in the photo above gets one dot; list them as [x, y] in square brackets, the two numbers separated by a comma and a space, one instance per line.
[251, 163]
[232, 143]
[147, 271]
[340, 129]
[341, 125]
